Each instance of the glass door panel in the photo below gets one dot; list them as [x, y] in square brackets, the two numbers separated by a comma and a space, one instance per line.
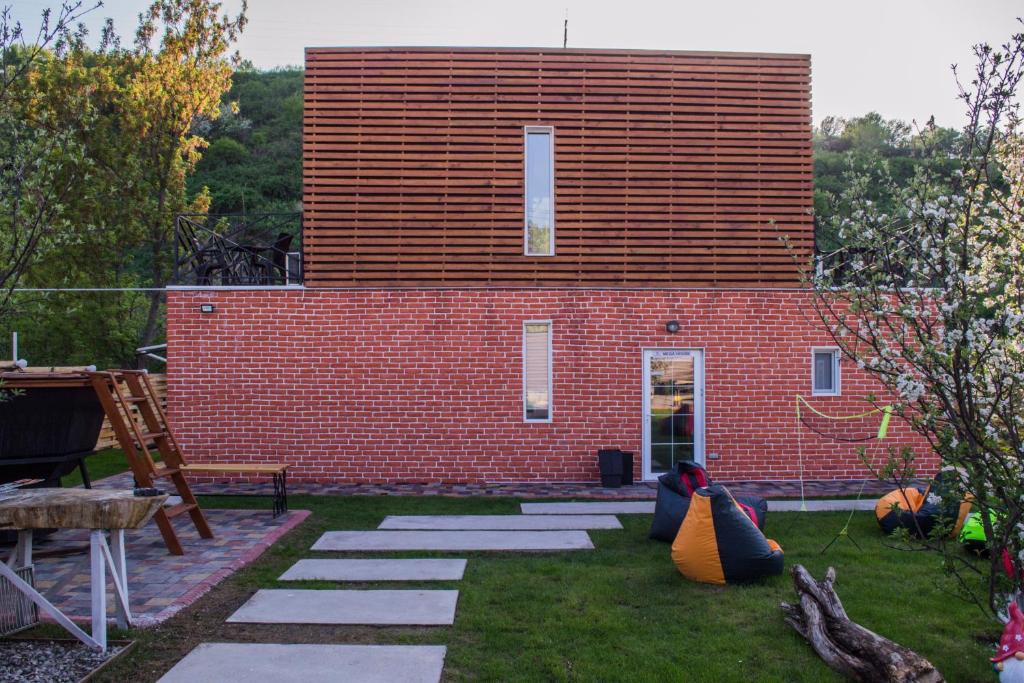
[673, 409]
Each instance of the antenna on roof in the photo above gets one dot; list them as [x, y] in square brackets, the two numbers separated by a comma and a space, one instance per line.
[565, 30]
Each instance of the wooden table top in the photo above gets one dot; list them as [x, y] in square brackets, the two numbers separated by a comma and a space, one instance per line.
[76, 509]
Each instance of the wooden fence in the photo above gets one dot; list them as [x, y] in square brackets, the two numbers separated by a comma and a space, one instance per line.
[107, 437]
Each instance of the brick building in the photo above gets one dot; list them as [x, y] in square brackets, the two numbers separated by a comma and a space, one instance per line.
[515, 257]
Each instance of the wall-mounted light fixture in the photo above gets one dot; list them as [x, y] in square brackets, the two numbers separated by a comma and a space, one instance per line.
[672, 326]
[207, 308]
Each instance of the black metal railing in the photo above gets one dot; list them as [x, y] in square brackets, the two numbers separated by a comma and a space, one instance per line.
[218, 250]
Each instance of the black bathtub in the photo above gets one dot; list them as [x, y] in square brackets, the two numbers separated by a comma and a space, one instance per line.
[48, 425]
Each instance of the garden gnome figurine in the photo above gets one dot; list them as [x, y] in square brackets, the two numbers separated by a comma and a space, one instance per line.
[1009, 659]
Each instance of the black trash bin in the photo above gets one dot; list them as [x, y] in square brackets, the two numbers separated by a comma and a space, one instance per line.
[616, 467]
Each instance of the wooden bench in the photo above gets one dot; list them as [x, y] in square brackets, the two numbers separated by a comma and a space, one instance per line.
[278, 472]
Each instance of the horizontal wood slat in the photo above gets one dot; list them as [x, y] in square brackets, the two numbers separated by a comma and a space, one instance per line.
[108, 439]
[671, 168]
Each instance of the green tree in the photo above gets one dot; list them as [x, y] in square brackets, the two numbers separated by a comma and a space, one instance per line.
[928, 297]
[180, 69]
[882, 153]
[254, 163]
[40, 164]
[134, 156]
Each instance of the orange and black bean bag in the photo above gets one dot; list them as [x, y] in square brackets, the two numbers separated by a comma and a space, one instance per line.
[674, 492]
[719, 543]
[906, 508]
[909, 508]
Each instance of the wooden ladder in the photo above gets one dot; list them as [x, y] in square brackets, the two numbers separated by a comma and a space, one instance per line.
[122, 390]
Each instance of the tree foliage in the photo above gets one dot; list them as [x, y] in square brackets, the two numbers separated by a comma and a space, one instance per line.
[254, 161]
[130, 115]
[928, 297]
[42, 160]
[882, 154]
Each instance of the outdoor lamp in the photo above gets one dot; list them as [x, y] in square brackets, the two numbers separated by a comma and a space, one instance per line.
[672, 326]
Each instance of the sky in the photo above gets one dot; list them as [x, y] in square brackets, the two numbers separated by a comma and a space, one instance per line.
[890, 56]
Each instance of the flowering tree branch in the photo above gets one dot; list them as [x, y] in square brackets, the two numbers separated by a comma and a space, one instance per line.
[929, 299]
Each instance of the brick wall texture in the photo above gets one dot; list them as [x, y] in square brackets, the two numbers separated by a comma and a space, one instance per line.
[416, 385]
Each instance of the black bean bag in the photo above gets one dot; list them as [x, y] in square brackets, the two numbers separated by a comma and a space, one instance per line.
[674, 492]
[670, 508]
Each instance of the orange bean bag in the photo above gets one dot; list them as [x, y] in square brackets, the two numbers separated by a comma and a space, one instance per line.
[719, 543]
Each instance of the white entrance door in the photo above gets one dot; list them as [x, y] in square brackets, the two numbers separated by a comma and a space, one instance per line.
[673, 409]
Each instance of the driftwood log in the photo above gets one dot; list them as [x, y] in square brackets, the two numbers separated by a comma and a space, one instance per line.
[845, 646]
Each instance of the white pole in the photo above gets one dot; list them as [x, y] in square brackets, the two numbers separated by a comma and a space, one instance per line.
[14, 346]
[98, 581]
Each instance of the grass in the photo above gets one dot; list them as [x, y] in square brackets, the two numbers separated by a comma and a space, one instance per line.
[619, 613]
[102, 464]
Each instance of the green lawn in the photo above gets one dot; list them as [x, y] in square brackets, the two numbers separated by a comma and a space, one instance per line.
[620, 613]
[103, 464]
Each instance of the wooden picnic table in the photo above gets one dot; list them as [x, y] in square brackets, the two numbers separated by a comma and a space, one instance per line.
[96, 510]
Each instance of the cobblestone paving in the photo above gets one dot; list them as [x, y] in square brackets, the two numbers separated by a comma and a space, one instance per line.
[159, 584]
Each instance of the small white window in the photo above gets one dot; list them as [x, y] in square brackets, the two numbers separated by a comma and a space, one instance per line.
[825, 372]
[537, 371]
[539, 193]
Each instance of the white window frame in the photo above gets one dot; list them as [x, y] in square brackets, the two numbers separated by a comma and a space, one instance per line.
[550, 130]
[836, 377]
[699, 444]
[551, 401]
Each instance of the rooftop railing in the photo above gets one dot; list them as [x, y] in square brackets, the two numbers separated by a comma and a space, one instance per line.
[238, 250]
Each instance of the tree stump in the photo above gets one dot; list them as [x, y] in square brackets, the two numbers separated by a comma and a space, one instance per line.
[846, 646]
[76, 509]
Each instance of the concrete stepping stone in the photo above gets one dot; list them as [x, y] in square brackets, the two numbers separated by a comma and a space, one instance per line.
[309, 663]
[376, 570]
[454, 540]
[501, 522]
[369, 607]
[821, 505]
[610, 507]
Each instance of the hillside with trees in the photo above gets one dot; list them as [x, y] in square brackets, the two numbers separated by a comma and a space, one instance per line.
[885, 154]
[254, 161]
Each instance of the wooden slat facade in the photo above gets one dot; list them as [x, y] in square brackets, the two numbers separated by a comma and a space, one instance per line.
[672, 169]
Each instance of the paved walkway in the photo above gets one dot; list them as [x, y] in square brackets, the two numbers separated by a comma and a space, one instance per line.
[390, 569]
[369, 607]
[523, 541]
[625, 507]
[642, 491]
[309, 663]
[217, 661]
[159, 584]
[501, 522]
[300, 663]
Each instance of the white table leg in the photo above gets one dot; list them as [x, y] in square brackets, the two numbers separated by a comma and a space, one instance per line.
[21, 556]
[121, 575]
[98, 576]
[23, 551]
[119, 568]
[47, 606]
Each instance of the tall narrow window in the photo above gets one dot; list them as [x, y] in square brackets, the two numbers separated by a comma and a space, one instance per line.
[825, 372]
[540, 191]
[537, 371]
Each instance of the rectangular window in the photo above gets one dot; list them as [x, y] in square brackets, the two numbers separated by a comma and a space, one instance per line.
[540, 191]
[537, 371]
[825, 372]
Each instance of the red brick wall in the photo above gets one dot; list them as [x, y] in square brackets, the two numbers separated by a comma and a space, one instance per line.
[425, 385]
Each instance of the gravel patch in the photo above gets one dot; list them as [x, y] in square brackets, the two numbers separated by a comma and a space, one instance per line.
[49, 661]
